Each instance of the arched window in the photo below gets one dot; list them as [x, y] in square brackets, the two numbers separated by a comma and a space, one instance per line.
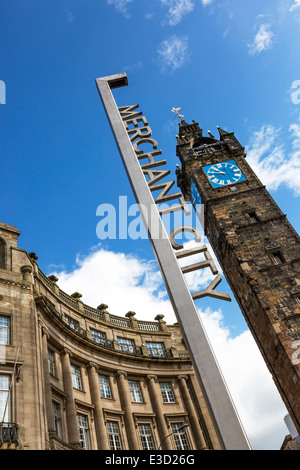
[2, 254]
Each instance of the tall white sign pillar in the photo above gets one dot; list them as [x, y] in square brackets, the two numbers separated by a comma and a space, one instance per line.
[216, 393]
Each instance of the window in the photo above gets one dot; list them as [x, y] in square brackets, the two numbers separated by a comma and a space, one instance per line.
[5, 411]
[253, 217]
[104, 387]
[167, 392]
[98, 336]
[126, 345]
[146, 436]
[76, 377]
[114, 435]
[4, 330]
[135, 391]
[2, 254]
[156, 349]
[180, 438]
[74, 324]
[57, 418]
[83, 428]
[51, 362]
[277, 257]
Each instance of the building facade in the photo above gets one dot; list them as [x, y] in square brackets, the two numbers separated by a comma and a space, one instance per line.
[77, 377]
[256, 246]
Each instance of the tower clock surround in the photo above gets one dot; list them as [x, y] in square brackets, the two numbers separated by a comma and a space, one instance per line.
[256, 246]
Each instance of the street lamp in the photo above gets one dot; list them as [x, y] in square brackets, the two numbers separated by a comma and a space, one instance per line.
[174, 432]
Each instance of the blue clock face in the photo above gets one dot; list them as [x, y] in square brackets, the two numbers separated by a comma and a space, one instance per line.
[224, 173]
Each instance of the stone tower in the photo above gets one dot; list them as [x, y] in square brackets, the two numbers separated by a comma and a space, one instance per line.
[256, 246]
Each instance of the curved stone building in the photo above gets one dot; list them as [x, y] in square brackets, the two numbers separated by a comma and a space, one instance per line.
[77, 377]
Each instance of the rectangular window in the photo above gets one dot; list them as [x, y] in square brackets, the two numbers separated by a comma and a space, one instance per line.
[126, 345]
[98, 336]
[104, 386]
[253, 217]
[5, 411]
[83, 428]
[57, 418]
[135, 391]
[76, 377]
[74, 324]
[180, 437]
[51, 363]
[156, 349]
[167, 392]
[146, 436]
[114, 435]
[4, 330]
[277, 257]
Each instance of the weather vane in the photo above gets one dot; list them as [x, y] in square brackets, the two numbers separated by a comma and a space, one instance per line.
[176, 110]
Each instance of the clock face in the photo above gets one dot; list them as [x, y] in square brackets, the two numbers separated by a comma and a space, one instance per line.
[224, 173]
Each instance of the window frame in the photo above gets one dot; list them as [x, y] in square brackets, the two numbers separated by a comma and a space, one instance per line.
[105, 387]
[253, 216]
[57, 418]
[177, 436]
[84, 431]
[147, 438]
[277, 257]
[72, 322]
[98, 337]
[3, 254]
[135, 392]
[155, 351]
[76, 377]
[113, 437]
[126, 345]
[167, 393]
[51, 362]
[5, 397]
[6, 330]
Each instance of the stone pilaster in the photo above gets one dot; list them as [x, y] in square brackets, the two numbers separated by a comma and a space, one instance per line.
[156, 400]
[96, 400]
[47, 382]
[70, 402]
[127, 408]
[193, 418]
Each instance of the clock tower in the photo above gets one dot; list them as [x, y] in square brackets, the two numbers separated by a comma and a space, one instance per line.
[256, 246]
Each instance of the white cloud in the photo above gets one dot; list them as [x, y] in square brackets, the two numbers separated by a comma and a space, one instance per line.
[295, 5]
[251, 386]
[173, 53]
[295, 131]
[149, 16]
[70, 16]
[263, 40]
[177, 9]
[270, 160]
[121, 6]
[206, 2]
[125, 283]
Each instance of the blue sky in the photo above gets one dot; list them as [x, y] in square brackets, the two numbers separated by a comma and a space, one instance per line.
[229, 63]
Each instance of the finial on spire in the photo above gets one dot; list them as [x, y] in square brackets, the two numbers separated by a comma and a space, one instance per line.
[176, 110]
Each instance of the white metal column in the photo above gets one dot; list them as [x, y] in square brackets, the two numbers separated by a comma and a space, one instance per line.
[216, 393]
